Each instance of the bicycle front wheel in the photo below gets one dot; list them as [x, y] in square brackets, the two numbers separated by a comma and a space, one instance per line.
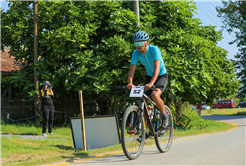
[164, 137]
[132, 132]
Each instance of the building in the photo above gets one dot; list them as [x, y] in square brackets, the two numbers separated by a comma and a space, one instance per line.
[8, 64]
[12, 105]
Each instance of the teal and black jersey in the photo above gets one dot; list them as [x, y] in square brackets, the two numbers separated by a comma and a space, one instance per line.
[148, 59]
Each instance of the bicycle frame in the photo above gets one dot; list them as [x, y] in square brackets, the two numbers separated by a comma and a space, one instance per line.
[144, 109]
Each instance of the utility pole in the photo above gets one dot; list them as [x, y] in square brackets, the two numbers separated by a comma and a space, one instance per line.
[35, 13]
[135, 5]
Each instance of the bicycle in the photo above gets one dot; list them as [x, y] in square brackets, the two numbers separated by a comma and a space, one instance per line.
[133, 129]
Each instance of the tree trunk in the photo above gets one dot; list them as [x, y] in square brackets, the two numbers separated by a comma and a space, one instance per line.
[178, 108]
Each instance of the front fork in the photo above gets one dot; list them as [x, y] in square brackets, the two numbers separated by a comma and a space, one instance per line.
[150, 125]
[141, 119]
[136, 130]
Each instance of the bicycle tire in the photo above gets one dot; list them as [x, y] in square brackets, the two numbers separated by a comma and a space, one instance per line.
[132, 136]
[164, 138]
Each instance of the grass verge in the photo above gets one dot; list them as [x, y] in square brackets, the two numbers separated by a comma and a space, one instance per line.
[230, 111]
[58, 148]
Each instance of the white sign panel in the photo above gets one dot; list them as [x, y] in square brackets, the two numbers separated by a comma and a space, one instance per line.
[100, 131]
[137, 91]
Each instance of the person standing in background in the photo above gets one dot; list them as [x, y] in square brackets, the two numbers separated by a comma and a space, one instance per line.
[48, 108]
[199, 109]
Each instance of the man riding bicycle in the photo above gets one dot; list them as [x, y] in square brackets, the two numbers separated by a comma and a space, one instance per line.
[150, 57]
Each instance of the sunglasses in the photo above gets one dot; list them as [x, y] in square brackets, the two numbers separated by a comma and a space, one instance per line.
[138, 43]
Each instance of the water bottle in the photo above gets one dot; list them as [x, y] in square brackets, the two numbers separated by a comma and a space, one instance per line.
[150, 113]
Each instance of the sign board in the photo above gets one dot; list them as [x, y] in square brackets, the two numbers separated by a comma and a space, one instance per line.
[137, 91]
[100, 131]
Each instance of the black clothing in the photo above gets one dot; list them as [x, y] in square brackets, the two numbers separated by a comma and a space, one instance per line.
[47, 103]
[161, 80]
[48, 115]
[47, 108]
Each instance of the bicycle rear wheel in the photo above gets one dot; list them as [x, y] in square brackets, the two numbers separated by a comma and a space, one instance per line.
[132, 132]
[164, 137]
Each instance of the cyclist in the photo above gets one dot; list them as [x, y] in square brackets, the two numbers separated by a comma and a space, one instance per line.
[150, 57]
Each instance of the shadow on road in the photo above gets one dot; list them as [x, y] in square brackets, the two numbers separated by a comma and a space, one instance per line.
[223, 117]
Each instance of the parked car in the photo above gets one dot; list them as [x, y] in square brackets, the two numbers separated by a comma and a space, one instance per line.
[242, 104]
[205, 106]
[229, 103]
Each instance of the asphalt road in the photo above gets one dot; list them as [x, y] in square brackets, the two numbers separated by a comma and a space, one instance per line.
[224, 148]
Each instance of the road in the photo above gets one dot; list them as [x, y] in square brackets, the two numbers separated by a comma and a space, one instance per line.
[224, 148]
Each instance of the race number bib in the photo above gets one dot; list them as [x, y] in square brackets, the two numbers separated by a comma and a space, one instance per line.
[137, 91]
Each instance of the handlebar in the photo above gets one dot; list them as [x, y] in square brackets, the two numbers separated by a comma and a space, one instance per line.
[121, 87]
[152, 88]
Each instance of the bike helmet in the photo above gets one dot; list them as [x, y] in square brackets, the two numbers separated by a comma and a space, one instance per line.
[141, 36]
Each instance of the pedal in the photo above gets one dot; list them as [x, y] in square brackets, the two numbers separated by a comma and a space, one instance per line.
[161, 132]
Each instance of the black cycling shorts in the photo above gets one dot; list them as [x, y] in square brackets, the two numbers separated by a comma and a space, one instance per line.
[161, 80]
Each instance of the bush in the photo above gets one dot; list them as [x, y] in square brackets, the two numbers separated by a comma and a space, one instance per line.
[3, 121]
[196, 122]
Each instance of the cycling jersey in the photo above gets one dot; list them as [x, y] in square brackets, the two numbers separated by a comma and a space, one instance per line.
[148, 59]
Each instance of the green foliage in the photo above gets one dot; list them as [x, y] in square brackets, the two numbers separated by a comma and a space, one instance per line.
[234, 19]
[4, 83]
[32, 95]
[195, 122]
[82, 46]
[241, 113]
[87, 45]
[3, 121]
[198, 69]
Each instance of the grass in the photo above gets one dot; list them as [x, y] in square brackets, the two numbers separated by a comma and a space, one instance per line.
[209, 127]
[16, 151]
[59, 148]
[52, 149]
[230, 111]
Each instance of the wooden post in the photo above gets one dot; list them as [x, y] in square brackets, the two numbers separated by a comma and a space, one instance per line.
[135, 5]
[82, 119]
[35, 27]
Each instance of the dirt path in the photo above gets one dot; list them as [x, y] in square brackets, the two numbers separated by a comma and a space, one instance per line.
[24, 136]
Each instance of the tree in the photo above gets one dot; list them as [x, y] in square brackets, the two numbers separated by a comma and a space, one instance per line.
[85, 45]
[81, 45]
[234, 19]
[198, 69]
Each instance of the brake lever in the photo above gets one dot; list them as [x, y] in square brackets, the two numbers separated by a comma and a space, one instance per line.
[153, 87]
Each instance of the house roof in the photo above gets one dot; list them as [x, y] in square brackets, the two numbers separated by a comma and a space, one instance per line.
[9, 64]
